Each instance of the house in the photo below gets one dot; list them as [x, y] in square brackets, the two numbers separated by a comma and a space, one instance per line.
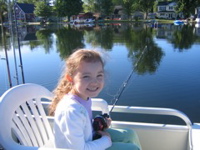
[24, 12]
[82, 17]
[138, 15]
[197, 10]
[27, 33]
[166, 10]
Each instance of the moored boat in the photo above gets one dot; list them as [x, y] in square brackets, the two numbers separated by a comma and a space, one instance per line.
[178, 22]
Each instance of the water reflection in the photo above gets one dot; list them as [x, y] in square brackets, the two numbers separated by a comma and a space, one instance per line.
[5, 48]
[183, 38]
[160, 84]
[68, 39]
[134, 36]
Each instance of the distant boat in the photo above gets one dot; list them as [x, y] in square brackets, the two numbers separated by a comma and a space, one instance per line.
[178, 22]
[82, 21]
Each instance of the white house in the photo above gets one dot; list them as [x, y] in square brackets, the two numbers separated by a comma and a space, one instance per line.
[166, 10]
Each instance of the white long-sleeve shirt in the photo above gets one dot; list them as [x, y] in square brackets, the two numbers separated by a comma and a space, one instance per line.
[73, 128]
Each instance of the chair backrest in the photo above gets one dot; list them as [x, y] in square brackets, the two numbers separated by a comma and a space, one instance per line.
[22, 115]
[101, 105]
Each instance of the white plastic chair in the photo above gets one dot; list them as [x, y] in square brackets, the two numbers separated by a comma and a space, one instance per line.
[22, 117]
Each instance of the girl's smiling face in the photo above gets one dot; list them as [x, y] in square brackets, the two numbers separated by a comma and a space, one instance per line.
[88, 80]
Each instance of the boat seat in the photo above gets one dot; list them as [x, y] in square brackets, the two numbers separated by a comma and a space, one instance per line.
[24, 124]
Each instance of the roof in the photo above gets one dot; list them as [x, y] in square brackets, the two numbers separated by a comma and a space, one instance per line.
[27, 8]
[164, 3]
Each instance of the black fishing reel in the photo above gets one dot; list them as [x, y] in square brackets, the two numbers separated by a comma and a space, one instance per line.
[99, 124]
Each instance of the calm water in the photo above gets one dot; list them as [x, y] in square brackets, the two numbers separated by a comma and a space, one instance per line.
[167, 75]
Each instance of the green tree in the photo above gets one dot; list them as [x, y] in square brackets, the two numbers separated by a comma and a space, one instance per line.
[145, 6]
[155, 6]
[128, 7]
[68, 8]
[187, 7]
[43, 10]
[3, 10]
[89, 6]
[105, 7]
[117, 2]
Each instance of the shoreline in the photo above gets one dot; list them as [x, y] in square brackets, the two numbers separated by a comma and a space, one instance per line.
[111, 21]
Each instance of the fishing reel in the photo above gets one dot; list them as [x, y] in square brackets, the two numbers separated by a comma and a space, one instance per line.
[99, 124]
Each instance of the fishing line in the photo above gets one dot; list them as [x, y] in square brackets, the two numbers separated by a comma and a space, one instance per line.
[124, 84]
[100, 122]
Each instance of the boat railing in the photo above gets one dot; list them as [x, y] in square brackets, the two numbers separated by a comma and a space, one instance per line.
[153, 111]
[101, 105]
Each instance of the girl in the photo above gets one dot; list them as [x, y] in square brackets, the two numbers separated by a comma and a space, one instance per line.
[82, 79]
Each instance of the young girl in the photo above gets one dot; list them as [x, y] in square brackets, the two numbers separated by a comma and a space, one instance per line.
[82, 79]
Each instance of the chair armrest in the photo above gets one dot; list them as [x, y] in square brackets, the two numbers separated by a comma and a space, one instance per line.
[45, 148]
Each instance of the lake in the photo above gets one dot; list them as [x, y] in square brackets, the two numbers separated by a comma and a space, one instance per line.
[162, 61]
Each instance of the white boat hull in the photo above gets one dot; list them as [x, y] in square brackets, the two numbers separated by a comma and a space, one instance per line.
[154, 136]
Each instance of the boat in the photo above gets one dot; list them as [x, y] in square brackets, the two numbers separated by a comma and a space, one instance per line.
[23, 102]
[178, 22]
[83, 21]
[89, 21]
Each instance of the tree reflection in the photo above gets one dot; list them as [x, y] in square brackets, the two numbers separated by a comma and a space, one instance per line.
[134, 36]
[135, 39]
[183, 38]
[4, 39]
[5, 48]
[102, 37]
[45, 38]
[140, 42]
[68, 39]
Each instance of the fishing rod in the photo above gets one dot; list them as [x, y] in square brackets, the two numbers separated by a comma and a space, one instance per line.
[6, 55]
[12, 41]
[124, 84]
[19, 48]
[8, 67]
[100, 122]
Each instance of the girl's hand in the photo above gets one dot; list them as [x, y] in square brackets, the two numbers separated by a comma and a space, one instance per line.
[109, 120]
[102, 133]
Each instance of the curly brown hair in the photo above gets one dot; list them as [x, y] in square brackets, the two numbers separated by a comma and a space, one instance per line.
[71, 65]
